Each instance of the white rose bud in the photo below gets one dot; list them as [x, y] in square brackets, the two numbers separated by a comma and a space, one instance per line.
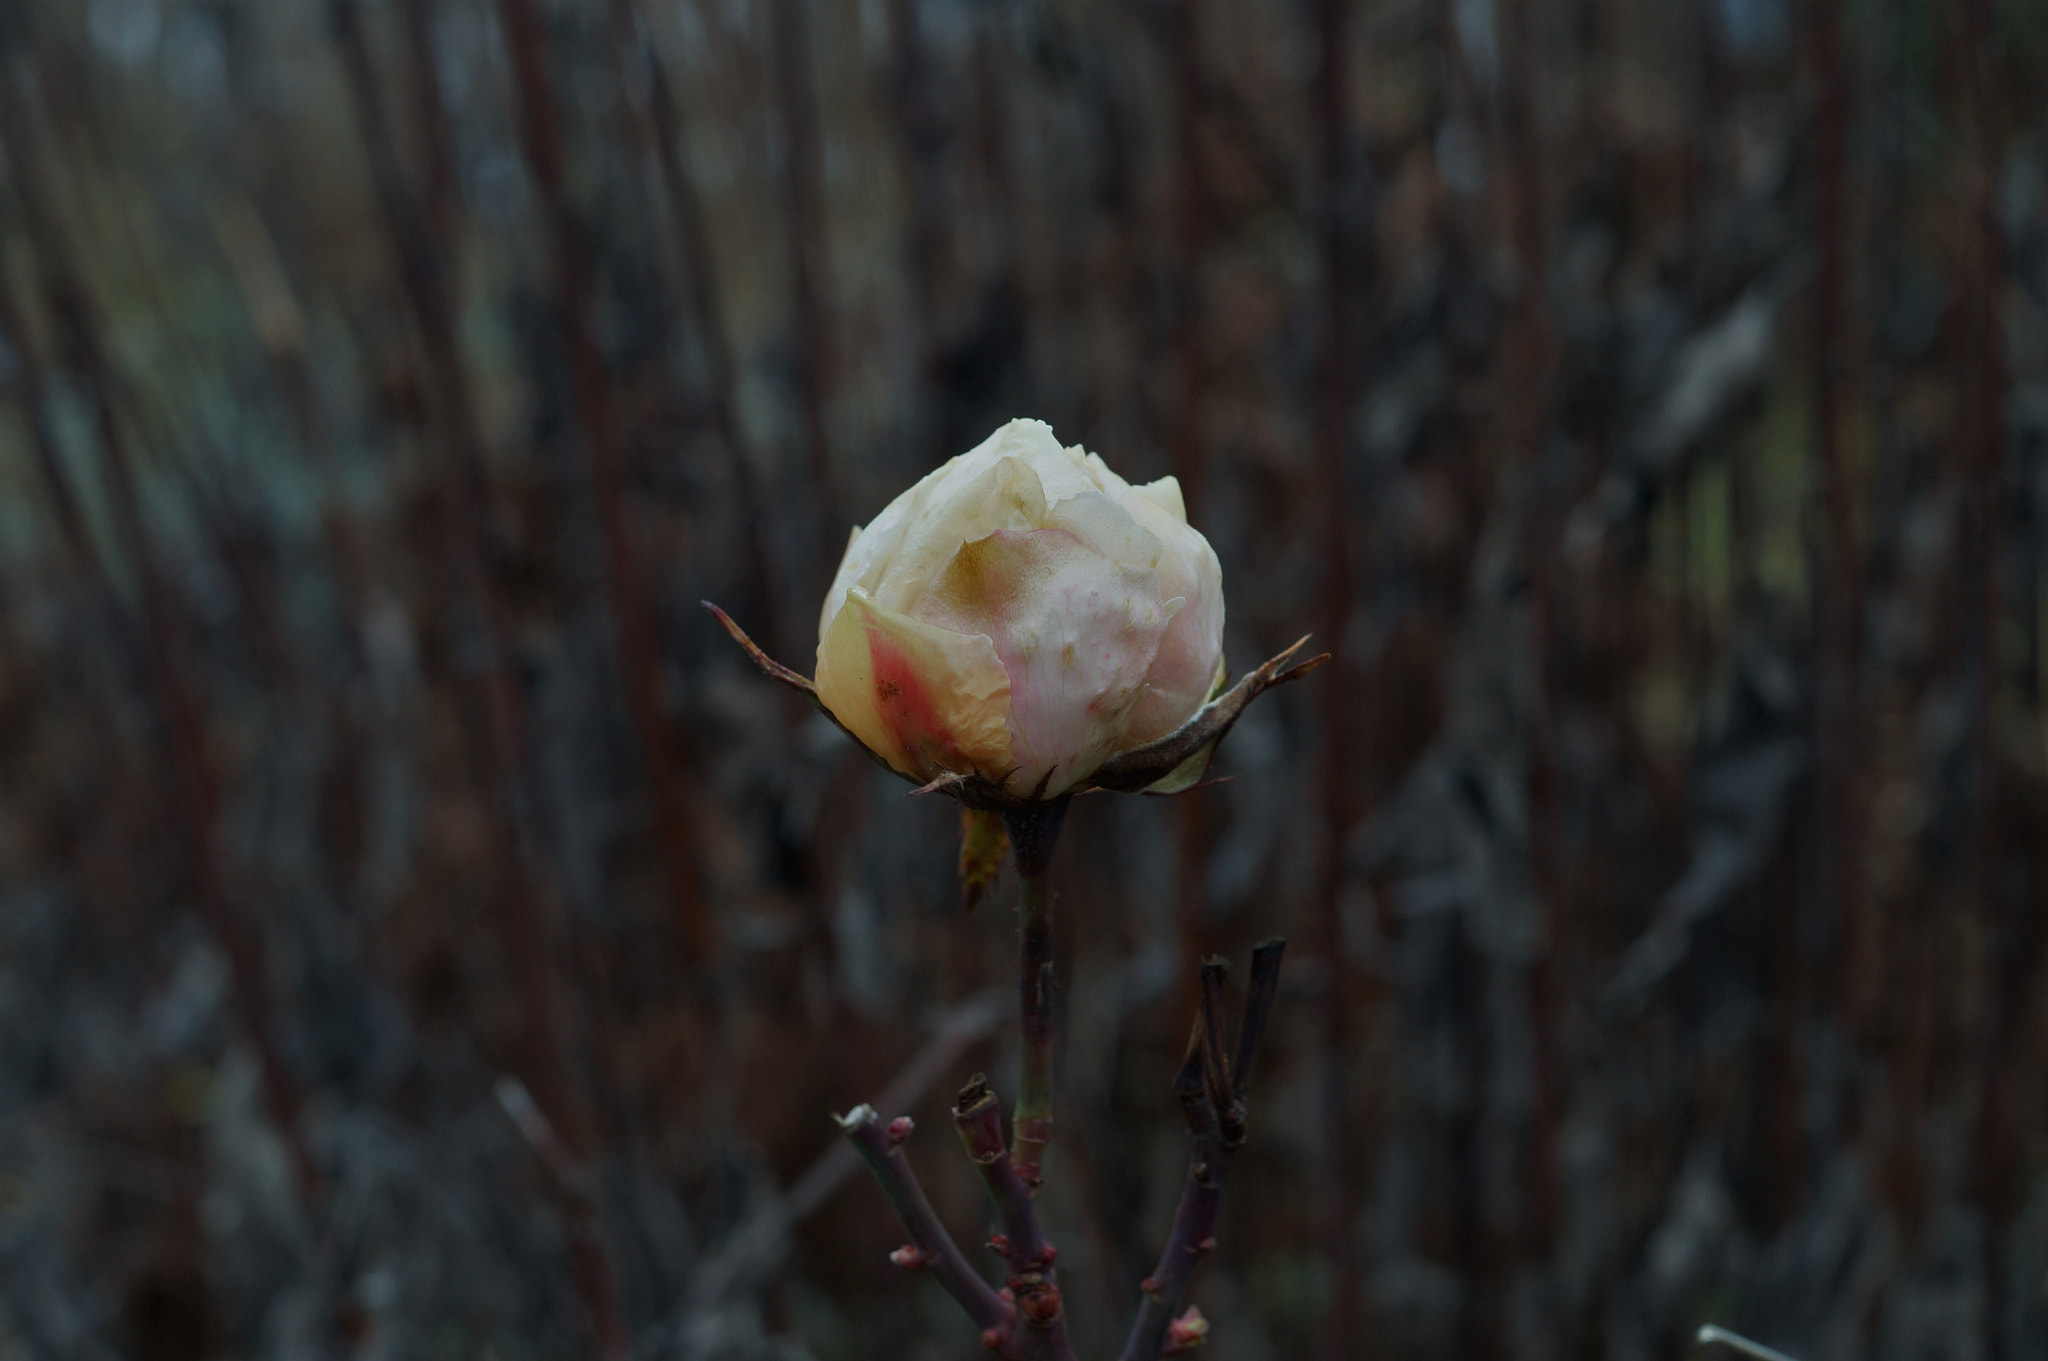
[1022, 614]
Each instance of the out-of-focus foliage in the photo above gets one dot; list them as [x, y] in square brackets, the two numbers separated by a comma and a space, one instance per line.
[422, 934]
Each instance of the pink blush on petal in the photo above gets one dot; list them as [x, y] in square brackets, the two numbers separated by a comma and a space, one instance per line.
[907, 709]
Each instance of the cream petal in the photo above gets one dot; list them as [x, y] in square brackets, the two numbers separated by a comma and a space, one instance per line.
[1021, 605]
[1106, 479]
[1077, 633]
[1031, 443]
[1106, 527]
[923, 698]
[1166, 494]
[871, 553]
[1006, 494]
[851, 564]
[1190, 656]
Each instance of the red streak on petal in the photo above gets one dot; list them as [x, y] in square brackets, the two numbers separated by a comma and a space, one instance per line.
[907, 708]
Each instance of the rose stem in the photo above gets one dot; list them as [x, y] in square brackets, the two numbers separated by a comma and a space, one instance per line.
[1033, 834]
[1211, 1090]
[1040, 1329]
[881, 1147]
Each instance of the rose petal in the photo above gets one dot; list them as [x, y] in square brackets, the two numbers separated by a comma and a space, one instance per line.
[1076, 632]
[1165, 494]
[1190, 657]
[923, 698]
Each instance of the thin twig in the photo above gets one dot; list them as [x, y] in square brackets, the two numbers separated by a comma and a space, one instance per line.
[1712, 1335]
[1214, 1106]
[1215, 1063]
[931, 1247]
[752, 1244]
[1263, 986]
[1033, 1281]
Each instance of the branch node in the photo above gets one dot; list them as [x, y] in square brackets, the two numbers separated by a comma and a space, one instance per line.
[980, 1117]
[1038, 1299]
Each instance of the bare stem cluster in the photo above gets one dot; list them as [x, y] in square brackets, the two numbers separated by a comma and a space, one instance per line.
[1026, 1319]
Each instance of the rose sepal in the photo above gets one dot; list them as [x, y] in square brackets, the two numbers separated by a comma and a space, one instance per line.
[1172, 764]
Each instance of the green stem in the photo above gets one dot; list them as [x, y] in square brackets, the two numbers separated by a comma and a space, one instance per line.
[1033, 835]
[1031, 1125]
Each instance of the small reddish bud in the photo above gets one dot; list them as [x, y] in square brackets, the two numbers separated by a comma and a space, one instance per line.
[999, 1243]
[992, 1339]
[1186, 1333]
[1007, 1295]
[900, 1128]
[1050, 1255]
[1151, 1286]
[910, 1257]
[1038, 1300]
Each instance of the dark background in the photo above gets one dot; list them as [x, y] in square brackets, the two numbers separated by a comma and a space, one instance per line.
[423, 935]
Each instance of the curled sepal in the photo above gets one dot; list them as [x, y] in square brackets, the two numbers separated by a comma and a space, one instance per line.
[795, 680]
[1173, 764]
[773, 669]
[982, 844]
[1176, 761]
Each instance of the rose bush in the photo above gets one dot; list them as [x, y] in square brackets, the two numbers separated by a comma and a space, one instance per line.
[1022, 614]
